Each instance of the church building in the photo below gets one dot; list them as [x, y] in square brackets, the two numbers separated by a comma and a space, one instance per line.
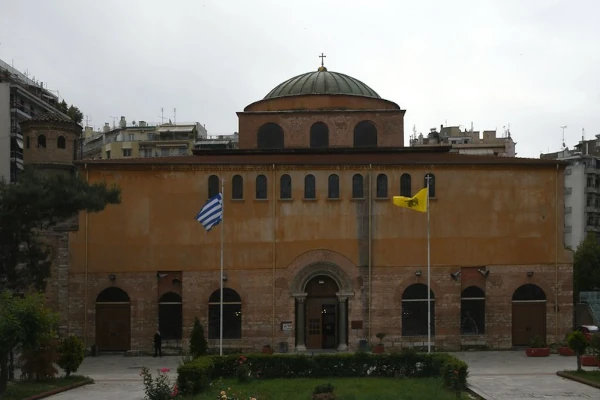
[315, 254]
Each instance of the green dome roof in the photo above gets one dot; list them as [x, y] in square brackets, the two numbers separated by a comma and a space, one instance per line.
[322, 82]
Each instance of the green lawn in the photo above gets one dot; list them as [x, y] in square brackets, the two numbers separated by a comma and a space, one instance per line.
[593, 376]
[345, 389]
[19, 390]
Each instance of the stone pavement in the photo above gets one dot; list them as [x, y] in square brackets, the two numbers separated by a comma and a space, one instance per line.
[504, 375]
[118, 377]
[500, 375]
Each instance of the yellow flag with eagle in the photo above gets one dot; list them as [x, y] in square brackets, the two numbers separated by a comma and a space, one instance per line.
[418, 202]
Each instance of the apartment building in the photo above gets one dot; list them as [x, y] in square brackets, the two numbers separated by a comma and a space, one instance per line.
[21, 98]
[582, 190]
[467, 141]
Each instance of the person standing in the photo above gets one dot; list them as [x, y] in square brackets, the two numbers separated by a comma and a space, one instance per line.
[157, 344]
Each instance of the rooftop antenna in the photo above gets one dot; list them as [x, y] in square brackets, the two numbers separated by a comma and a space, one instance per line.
[583, 134]
[175, 116]
[563, 136]
[162, 115]
[88, 119]
[114, 123]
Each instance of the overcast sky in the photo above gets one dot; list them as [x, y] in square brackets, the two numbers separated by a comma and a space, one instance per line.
[533, 64]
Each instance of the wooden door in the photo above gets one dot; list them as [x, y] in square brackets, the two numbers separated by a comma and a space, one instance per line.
[113, 327]
[528, 321]
[314, 332]
[329, 326]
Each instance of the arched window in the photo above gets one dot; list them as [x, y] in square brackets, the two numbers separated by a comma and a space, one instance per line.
[213, 186]
[365, 134]
[285, 187]
[232, 314]
[382, 186]
[170, 317]
[261, 187]
[431, 184]
[333, 188]
[270, 136]
[237, 187]
[472, 311]
[61, 143]
[358, 189]
[414, 310]
[310, 190]
[405, 185]
[319, 135]
[41, 142]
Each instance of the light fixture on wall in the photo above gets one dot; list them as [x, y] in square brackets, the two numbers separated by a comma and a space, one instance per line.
[418, 273]
[455, 275]
[161, 275]
[224, 278]
[112, 277]
[483, 272]
[530, 273]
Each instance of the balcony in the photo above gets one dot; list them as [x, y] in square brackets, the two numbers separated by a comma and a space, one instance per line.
[592, 189]
[568, 190]
[593, 209]
[592, 170]
[20, 111]
[15, 131]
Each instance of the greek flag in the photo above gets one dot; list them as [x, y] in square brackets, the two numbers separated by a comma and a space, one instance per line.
[212, 212]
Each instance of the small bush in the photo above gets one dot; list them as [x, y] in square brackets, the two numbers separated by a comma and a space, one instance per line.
[71, 354]
[537, 343]
[198, 343]
[195, 376]
[324, 388]
[160, 387]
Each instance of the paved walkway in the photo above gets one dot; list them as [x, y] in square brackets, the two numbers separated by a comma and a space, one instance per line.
[501, 375]
[509, 375]
[118, 377]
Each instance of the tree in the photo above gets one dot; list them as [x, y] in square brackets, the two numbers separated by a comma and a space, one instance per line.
[63, 106]
[37, 202]
[25, 323]
[586, 266]
[75, 114]
[578, 343]
[198, 344]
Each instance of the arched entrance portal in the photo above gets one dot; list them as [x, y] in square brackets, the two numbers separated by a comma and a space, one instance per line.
[528, 314]
[113, 320]
[321, 313]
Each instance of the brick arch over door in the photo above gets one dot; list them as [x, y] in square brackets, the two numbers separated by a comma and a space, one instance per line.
[322, 262]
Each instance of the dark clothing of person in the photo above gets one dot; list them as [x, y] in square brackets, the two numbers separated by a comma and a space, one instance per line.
[157, 345]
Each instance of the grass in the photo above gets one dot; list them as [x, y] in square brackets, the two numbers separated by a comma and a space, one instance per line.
[593, 376]
[19, 390]
[345, 389]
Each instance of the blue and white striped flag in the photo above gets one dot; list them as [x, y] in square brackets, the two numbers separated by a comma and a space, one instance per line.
[212, 212]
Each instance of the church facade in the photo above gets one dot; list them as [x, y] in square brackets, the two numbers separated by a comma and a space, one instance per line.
[316, 256]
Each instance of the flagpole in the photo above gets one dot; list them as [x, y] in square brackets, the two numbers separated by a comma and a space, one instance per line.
[221, 276]
[428, 275]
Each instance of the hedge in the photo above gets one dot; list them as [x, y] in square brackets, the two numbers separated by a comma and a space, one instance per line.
[196, 375]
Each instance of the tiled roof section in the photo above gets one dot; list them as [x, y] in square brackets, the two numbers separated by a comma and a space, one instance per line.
[322, 82]
[388, 156]
[51, 117]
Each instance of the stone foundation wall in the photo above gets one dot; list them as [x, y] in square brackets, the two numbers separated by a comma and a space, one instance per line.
[256, 288]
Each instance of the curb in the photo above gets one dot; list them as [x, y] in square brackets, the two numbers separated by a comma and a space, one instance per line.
[60, 390]
[578, 379]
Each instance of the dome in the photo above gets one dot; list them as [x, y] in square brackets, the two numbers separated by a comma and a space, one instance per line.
[322, 81]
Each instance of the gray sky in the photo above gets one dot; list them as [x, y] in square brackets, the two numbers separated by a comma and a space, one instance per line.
[533, 64]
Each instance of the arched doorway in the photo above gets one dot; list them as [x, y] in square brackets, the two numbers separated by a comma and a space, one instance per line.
[170, 316]
[528, 314]
[113, 320]
[321, 313]
[414, 310]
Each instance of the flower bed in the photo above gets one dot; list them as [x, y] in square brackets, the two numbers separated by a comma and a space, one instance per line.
[196, 375]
